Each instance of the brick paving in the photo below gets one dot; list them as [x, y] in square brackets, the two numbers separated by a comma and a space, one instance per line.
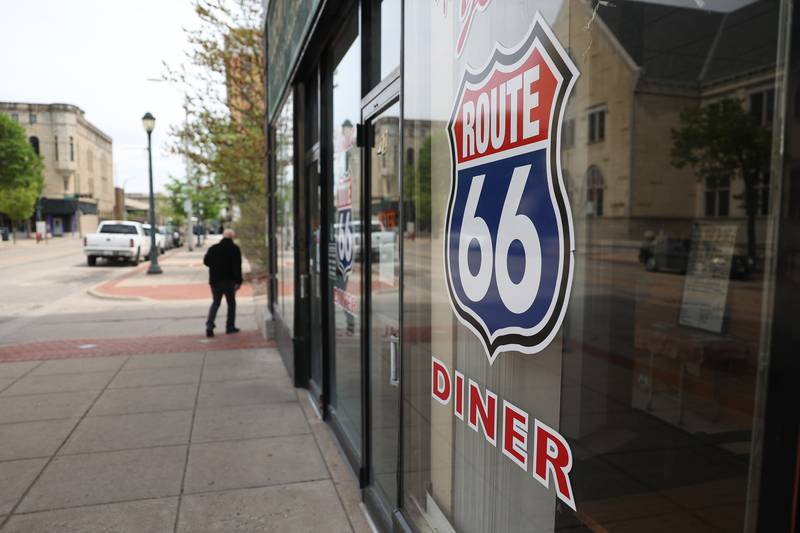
[67, 349]
[185, 278]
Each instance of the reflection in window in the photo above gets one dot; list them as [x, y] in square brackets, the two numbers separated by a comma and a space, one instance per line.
[568, 134]
[284, 213]
[762, 194]
[594, 191]
[718, 191]
[597, 125]
[762, 107]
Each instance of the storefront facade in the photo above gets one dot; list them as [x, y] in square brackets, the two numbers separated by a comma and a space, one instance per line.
[535, 262]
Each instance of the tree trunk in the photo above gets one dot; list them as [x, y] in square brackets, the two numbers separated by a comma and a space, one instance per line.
[13, 232]
[750, 210]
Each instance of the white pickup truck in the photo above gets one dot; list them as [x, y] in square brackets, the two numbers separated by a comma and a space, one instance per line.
[117, 240]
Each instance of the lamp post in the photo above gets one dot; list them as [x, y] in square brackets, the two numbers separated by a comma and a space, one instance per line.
[149, 122]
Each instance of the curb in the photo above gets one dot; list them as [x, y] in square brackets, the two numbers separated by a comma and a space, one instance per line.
[103, 296]
[95, 290]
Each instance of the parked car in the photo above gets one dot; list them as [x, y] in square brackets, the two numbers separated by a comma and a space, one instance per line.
[117, 240]
[161, 240]
[379, 236]
[672, 255]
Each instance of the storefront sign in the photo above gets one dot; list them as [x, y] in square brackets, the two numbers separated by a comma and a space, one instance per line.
[530, 444]
[344, 230]
[510, 240]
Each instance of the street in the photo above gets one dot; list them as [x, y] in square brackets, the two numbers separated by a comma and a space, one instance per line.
[118, 414]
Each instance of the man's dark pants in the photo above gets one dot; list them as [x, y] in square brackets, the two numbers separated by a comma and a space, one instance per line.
[225, 288]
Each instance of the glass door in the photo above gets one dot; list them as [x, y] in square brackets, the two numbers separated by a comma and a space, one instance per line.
[315, 275]
[344, 246]
[384, 312]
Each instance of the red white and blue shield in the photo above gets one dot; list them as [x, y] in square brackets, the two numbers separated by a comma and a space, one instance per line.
[510, 241]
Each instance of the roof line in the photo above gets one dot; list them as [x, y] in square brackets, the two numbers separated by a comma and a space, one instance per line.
[712, 49]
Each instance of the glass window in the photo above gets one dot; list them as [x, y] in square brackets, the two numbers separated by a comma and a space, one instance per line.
[597, 125]
[390, 36]
[34, 144]
[640, 411]
[32, 117]
[284, 213]
[717, 196]
[346, 247]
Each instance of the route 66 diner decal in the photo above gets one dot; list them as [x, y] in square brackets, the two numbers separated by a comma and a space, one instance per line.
[509, 240]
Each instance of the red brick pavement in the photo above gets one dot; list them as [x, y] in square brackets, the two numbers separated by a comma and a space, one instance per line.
[64, 349]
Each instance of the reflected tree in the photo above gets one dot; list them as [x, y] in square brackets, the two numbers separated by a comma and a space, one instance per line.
[723, 141]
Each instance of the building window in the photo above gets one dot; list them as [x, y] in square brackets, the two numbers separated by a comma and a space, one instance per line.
[717, 195]
[568, 134]
[71, 150]
[34, 144]
[15, 117]
[762, 107]
[32, 118]
[595, 184]
[597, 125]
[56, 146]
[90, 160]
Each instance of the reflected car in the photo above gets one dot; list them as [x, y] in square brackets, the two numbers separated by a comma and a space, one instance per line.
[672, 255]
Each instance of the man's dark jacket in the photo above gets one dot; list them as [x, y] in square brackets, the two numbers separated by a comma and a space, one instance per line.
[224, 262]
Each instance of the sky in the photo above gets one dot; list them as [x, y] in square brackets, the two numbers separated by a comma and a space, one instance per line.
[99, 55]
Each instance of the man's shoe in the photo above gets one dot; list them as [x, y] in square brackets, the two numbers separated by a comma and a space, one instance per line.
[209, 333]
[232, 330]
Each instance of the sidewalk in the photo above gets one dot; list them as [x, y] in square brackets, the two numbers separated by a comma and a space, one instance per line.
[119, 415]
[184, 278]
[192, 442]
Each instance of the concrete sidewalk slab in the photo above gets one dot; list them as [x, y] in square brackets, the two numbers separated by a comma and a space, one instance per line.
[218, 465]
[148, 377]
[26, 440]
[79, 366]
[152, 516]
[121, 432]
[248, 422]
[145, 400]
[59, 383]
[27, 408]
[17, 477]
[208, 455]
[164, 361]
[308, 507]
[233, 393]
[15, 370]
[107, 477]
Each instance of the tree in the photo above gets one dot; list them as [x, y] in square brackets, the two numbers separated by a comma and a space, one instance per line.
[223, 135]
[21, 177]
[206, 199]
[723, 141]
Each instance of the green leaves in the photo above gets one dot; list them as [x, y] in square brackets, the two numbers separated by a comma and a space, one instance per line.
[21, 177]
[223, 138]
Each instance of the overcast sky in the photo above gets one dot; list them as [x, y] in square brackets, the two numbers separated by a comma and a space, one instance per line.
[98, 55]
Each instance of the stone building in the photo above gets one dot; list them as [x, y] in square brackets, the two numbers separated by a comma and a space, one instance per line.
[78, 165]
[638, 87]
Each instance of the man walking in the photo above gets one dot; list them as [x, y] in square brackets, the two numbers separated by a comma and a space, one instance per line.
[224, 262]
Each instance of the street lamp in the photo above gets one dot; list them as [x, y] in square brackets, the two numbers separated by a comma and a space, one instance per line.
[149, 123]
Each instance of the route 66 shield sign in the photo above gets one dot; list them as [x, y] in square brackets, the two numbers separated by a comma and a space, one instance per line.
[344, 230]
[509, 239]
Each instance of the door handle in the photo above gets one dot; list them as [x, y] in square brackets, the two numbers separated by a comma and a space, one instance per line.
[394, 367]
